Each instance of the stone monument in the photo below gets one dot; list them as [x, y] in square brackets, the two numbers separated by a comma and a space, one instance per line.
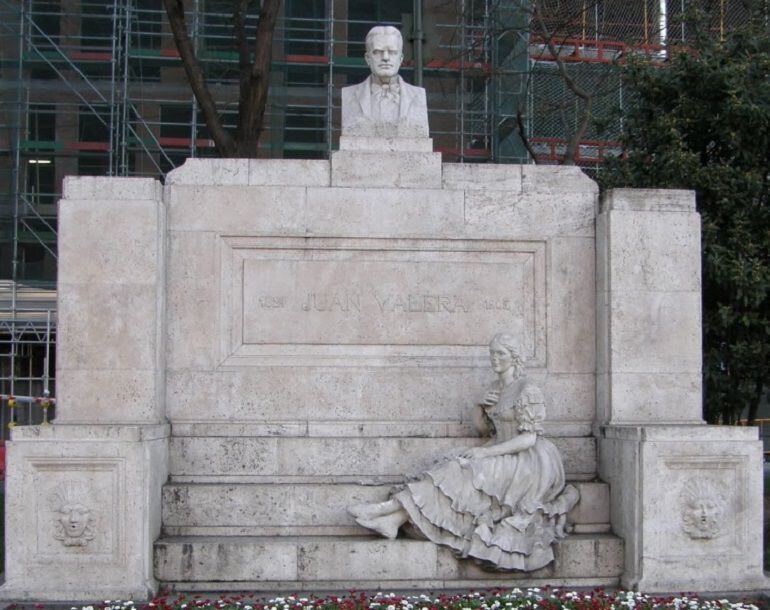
[261, 344]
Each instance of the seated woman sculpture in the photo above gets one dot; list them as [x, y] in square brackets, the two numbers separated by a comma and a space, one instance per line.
[503, 503]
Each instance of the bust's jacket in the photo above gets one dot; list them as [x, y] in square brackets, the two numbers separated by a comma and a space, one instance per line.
[357, 104]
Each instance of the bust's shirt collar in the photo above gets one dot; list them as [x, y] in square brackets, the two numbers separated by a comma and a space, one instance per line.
[390, 91]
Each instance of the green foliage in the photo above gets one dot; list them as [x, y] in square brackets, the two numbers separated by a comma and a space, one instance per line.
[701, 120]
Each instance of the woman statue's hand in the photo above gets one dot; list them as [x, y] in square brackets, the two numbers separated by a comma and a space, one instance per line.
[473, 453]
[491, 398]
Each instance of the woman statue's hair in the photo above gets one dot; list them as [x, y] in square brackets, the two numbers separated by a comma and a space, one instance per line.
[508, 341]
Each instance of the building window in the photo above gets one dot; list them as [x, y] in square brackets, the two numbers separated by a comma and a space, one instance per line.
[96, 27]
[46, 20]
[364, 15]
[93, 125]
[305, 30]
[41, 123]
[175, 121]
[147, 18]
[41, 181]
[304, 135]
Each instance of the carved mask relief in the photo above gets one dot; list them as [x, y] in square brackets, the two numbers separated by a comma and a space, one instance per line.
[703, 505]
[73, 513]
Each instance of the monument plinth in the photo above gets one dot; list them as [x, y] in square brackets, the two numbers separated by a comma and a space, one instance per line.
[262, 344]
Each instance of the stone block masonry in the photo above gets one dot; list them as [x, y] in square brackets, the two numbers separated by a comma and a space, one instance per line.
[261, 343]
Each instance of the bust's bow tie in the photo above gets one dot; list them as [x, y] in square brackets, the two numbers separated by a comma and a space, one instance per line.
[387, 92]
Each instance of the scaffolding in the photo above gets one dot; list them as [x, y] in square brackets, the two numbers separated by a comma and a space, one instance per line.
[96, 87]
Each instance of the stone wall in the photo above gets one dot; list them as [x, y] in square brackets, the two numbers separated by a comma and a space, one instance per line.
[365, 311]
[347, 308]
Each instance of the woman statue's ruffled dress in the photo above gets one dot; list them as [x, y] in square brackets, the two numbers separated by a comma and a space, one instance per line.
[503, 503]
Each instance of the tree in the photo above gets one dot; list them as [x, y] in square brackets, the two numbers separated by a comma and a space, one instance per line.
[702, 121]
[555, 70]
[253, 70]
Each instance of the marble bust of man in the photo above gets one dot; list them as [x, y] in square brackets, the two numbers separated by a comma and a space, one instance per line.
[384, 105]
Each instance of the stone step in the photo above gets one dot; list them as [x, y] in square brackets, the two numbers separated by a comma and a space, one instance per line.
[310, 509]
[316, 563]
[234, 458]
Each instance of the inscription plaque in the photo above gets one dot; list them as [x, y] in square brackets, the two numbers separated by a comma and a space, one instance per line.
[380, 298]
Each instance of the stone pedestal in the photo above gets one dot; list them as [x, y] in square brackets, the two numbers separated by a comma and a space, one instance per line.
[687, 500]
[83, 495]
[682, 493]
[83, 506]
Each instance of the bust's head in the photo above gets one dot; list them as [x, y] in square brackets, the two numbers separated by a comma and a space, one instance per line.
[384, 52]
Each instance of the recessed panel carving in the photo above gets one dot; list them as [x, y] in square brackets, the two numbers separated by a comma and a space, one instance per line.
[75, 513]
[380, 299]
[79, 509]
[703, 503]
[697, 506]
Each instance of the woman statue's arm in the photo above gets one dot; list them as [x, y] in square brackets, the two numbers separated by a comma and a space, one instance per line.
[481, 421]
[518, 443]
[478, 415]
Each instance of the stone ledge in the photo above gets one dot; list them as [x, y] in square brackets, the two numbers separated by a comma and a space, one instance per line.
[556, 179]
[107, 189]
[91, 432]
[210, 172]
[356, 428]
[649, 200]
[314, 586]
[66, 597]
[315, 530]
[318, 456]
[289, 172]
[682, 432]
[484, 176]
[315, 560]
[246, 479]
[310, 508]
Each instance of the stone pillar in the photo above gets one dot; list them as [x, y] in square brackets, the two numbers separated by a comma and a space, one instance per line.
[110, 348]
[682, 493]
[648, 308]
[83, 495]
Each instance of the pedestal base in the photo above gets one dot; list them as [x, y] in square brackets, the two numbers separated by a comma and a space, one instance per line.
[688, 502]
[83, 510]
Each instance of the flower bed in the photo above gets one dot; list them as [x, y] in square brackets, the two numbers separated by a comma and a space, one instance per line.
[515, 599]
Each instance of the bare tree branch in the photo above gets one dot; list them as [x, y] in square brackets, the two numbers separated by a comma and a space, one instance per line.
[223, 141]
[239, 26]
[252, 105]
[523, 135]
[244, 59]
[568, 80]
[573, 142]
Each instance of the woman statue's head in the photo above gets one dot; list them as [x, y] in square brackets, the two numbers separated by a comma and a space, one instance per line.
[504, 354]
